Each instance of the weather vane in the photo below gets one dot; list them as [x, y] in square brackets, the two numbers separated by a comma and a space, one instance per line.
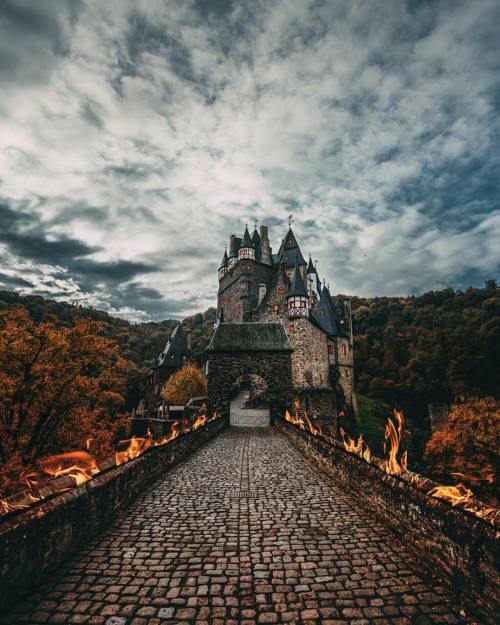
[290, 217]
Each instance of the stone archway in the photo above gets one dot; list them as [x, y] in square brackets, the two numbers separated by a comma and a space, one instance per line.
[249, 402]
[242, 349]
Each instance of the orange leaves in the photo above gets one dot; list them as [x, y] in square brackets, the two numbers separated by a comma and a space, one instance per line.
[184, 384]
[58, 385]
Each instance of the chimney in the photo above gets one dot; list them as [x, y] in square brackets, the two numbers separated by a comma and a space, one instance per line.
[266, 251]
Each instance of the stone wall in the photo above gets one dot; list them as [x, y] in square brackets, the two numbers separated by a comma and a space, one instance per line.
[239, 289]
[39, 538]
[456, 543]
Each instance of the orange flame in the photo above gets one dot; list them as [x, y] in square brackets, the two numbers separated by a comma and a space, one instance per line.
[356, 447]
[483, 476]
[132, 448]
[295, 420]
[456, 495]
[79, 465]
[392, 466]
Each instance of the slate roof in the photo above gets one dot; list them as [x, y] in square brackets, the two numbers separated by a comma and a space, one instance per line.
[289, 251]
[325, 314]
[250, 336]
[310, 267]
[175, 350]
[297, 285]
[247, 239]
[224, 259]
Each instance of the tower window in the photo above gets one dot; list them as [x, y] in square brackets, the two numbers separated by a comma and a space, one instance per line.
[344, 351]
[276, 308]
[330, 349]
[290, 327]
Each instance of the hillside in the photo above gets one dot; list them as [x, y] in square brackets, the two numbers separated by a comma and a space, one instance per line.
[410, 351]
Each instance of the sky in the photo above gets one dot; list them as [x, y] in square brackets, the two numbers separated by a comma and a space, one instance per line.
[136, 136]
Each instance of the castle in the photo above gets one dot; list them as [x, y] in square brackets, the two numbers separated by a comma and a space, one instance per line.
[256, 286]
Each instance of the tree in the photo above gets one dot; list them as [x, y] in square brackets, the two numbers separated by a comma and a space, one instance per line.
[469, 443]
[184, 384]
[58, 386]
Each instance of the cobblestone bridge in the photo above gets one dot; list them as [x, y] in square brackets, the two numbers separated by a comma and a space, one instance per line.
[244, 532]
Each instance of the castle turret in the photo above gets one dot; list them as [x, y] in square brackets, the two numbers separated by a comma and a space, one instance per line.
[247, 249]
[298, 300]
[223, 269]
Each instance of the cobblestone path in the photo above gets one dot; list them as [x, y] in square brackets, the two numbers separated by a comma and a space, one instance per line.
[292, 548]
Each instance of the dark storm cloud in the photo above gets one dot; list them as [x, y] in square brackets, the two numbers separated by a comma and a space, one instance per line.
[14, 281]
[25, 236]
[34, 34]
[135, 137]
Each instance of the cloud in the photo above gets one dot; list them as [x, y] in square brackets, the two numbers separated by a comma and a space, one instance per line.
[134, 139]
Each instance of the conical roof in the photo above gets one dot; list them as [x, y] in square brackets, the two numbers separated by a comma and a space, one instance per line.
[247, 239]
[310, 266]
[175, 349]
[256, 237]
[224, 260]
[325, 313]
[297, 286]
[289, 251]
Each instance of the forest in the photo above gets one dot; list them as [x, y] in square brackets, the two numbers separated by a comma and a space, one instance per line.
[439, 347]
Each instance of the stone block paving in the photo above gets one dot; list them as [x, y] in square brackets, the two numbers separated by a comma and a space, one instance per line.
[245, 532]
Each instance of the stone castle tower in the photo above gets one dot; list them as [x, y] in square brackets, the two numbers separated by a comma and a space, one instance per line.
[256, 285]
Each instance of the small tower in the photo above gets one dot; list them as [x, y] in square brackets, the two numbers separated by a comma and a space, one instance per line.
[298, 300]
[223, 269]
[247, 249]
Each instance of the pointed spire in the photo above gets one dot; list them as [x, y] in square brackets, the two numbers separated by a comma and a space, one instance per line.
[297, 285]
[247, 240]
[310, 267]
[225, 259]
[290, 250]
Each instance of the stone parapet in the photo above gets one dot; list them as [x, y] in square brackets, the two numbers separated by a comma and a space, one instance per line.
[38, 539]
[454, 542]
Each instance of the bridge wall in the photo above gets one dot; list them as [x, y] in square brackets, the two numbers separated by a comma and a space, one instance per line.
[38, 539]
[456, 543]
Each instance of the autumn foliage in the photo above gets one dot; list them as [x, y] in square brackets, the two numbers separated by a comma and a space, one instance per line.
[58, 387]
[469, 443]
[183, 384]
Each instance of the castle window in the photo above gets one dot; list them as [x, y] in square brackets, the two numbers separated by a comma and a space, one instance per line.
[344, 350]
[292, 304]
[302, 304]
[276, 308]
[290, 327]
[330, 348]
[172, 356]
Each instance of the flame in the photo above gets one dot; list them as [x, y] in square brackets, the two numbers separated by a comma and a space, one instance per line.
[200, 421]
[88, 443]
[295, 420]
[355, 447]
[483, 476]
[392, 466]
[79, 465]
[456, 495]
[132, 448]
